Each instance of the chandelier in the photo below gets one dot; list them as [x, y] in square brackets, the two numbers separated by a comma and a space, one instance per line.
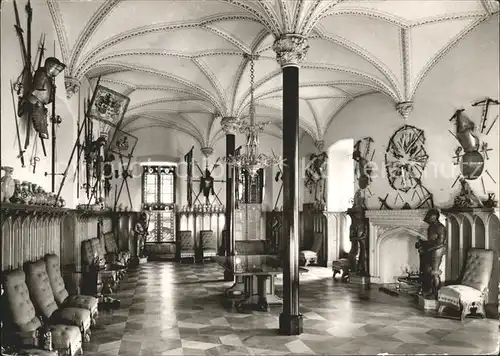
[251, 161]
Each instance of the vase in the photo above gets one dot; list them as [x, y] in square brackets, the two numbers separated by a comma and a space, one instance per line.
[26, 195]
[8, 186]
[36, 197]
[16, 197]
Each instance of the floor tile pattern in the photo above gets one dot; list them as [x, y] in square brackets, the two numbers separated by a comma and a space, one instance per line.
[175, 309]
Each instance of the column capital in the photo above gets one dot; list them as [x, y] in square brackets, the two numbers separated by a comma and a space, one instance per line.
[72, 86]
[207, 151]
[404, 108]
[230, 125]
[320, 145]
[290, 49]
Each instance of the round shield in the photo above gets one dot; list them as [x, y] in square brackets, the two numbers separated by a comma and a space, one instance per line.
[472, 165]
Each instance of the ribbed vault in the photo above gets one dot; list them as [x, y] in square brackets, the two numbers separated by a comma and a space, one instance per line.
[182, 64]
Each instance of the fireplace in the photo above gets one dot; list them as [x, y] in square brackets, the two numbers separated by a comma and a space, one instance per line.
[393, 234]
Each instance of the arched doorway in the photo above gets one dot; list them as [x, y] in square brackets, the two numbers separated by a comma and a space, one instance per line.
[340, 190]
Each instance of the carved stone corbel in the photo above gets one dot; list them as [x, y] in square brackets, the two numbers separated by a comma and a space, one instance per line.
[290, 49]
[72, 86]
[207, 151]
[230, 125]
[320, 145]
[404, 108]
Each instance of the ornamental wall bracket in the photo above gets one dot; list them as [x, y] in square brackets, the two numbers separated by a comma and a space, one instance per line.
[207, 151]
[230, 125]
[404, 108]
[72, 86]
[290, 49]
[320, 145]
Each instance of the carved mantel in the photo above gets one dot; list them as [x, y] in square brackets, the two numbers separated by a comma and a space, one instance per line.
[386, 223]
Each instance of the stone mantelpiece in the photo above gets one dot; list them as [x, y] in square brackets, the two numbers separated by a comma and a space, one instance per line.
[384, 224]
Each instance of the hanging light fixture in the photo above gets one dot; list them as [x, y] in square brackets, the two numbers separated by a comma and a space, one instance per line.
[251, 161]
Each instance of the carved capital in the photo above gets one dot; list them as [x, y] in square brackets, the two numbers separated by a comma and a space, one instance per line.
[207, 151]
[290, 49]
[320, 145]
[230, 125]
[404, 108]
[72, 86]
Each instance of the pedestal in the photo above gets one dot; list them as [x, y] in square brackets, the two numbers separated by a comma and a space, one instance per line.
[355, 279]
[291, 324]
[427, 304]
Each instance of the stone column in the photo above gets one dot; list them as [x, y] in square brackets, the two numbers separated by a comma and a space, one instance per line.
[230, 127]
[290, 50]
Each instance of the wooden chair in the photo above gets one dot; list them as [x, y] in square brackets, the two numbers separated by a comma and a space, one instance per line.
[208, 244]
[186, 245]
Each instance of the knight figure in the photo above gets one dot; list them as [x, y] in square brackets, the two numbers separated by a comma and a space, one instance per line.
[358, 233]
[431, 253]
[141, 231]
[315, 174]
[207, 185]
[40, 94]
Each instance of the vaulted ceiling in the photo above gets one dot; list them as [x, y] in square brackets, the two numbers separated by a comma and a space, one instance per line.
[182, 64]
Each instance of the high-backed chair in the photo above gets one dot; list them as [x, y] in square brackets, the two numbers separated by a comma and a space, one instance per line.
[23, 327]
[42, 297]
[470, 295]
[61, 295]
[107, 275]
[112, 251]
[307, 257]
[208, 244]
[186, 245]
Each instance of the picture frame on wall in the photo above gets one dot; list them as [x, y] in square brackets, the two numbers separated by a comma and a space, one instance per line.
[123, 143]
[108, 106]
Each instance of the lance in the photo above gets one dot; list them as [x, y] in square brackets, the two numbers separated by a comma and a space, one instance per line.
[21, 151]
[65, 174]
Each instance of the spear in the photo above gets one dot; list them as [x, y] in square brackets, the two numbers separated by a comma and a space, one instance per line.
[21, 151]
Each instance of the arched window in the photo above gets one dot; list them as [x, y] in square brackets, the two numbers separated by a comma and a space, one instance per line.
[341, 183]
[158, 198]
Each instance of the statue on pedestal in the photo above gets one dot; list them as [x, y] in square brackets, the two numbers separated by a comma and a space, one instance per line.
[358, 234]
[431, 253]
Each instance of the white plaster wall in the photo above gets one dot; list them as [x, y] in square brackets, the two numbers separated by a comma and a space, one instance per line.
[340, 187]
[11, 67]
[469, 72]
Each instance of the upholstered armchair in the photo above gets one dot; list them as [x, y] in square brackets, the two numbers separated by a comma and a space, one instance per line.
[470, 295]
[91, 259]
[307, 257]
[186, 245]
[41, 294]
[23, 328]
[112, 251]
[208, 244]
[61, 295]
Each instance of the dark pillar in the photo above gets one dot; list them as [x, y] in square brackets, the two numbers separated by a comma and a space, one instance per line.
[290, 49]
[229, 127]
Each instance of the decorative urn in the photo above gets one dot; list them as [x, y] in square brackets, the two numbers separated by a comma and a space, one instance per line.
[16, 197]
[8, 185]
[26, 195]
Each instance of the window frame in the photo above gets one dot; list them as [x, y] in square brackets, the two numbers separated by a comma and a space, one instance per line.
[158, 208]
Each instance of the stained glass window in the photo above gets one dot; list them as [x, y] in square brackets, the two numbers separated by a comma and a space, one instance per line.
[159, 200]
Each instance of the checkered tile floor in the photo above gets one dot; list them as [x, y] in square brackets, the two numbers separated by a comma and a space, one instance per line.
[173, 309]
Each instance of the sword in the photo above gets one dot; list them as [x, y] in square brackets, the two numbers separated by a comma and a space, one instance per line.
[21, 151]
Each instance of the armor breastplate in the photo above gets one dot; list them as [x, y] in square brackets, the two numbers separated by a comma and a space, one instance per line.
[41, 90]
